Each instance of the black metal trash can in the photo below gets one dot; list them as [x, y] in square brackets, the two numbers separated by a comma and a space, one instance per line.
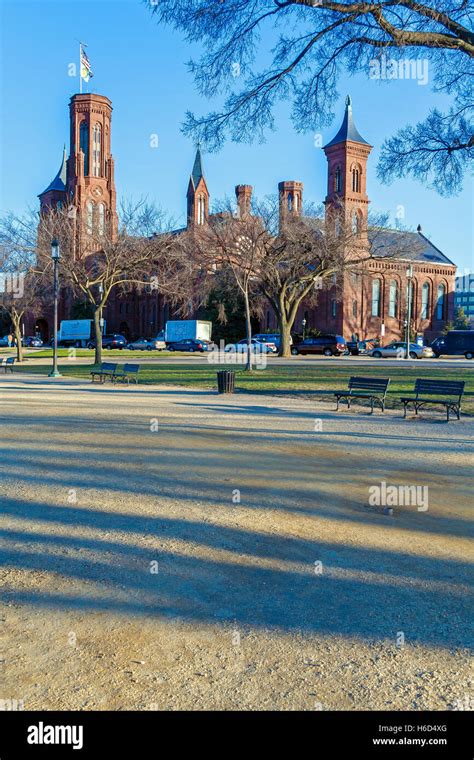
[226, 381]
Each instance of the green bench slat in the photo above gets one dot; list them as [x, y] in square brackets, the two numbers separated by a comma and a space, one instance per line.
[374, 388]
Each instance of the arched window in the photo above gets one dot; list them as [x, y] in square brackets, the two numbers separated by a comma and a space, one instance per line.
[376, 290]
[393, 300]
[96, 150]
[425, 300]
[101, 218]
[334, 308]
[201, 209]
[338, 180]
[337, 226]
[356, 222]
[356, 179]
[290, 201]
[84, 145]
[89, 217]
[354, 308]
[441, 302]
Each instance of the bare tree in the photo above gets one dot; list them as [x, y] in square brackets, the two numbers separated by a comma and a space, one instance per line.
[306, 255]
[22, 284]
[233, 243]
[20, 292]
[321, 40]
[94, 262]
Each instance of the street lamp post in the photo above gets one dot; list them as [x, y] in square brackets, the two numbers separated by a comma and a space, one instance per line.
[101, 318]
[409, 293]
[55, 256]
[303, 325]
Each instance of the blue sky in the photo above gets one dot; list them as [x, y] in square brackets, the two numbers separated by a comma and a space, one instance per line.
[142, 68]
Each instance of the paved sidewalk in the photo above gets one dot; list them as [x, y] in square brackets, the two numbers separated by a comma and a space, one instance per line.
[170, 548]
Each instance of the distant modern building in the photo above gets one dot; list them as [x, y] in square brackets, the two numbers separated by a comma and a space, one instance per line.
[464, 294]
[369, 305]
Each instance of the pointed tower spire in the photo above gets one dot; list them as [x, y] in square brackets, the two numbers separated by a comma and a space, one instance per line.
[197, 173]
[58, 184]
[348, 130]
[347, 156]
[198, 194]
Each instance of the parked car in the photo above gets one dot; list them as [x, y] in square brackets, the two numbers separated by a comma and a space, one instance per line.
[147, 344]
[4, 342]
[257, 346]
[110, 341]
[188, 344]
[329, 345]
[397, 350]
[455, 343]
[32, 341]
[271, 338]
[357, 347]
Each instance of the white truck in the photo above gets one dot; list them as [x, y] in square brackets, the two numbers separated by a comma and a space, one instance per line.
[183, 329]
[76, 332]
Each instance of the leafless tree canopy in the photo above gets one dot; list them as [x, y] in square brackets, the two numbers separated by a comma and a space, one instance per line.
[314, 42]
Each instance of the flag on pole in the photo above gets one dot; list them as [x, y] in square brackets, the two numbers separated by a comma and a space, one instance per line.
[86, 68]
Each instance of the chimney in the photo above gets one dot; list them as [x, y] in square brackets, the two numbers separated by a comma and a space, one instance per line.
[291, 199]
[243, 194]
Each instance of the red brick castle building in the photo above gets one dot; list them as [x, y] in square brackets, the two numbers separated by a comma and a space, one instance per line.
[369, 305]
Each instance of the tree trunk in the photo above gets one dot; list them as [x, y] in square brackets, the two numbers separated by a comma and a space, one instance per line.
[98, 336]
[248, 327]
[285, 335]
[19, 345]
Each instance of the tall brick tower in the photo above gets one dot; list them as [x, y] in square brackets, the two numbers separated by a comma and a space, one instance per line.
[198, 194]
[86, 180]
[347, 155]
[90, 168]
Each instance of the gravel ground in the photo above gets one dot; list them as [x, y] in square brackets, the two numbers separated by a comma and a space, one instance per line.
[175, 549]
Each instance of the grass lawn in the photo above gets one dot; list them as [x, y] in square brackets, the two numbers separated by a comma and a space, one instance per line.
[317, 378]
[84, 353]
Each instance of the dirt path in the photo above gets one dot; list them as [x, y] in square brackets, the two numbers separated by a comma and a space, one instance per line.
[174, 549]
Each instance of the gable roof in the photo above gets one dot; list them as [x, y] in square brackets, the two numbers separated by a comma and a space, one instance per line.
[417, 246]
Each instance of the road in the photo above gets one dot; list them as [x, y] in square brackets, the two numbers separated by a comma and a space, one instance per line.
[298, 361]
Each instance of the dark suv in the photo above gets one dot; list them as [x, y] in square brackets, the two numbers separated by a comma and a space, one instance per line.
[329, 345]
[110, 341]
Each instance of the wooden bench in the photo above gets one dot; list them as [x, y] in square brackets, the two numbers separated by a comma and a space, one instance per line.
[8, 363]
[373, 388]
[129, 372]
[425, 390]
[107, 370]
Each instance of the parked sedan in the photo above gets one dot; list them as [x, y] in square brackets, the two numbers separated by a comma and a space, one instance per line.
[4, 342]
[110, 341]
[32, 342]
[398, 350]
[147, 344]
[329, 345]
[189, 344]
[258, 346]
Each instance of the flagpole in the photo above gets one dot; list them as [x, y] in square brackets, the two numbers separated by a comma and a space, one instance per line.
[80, 68]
